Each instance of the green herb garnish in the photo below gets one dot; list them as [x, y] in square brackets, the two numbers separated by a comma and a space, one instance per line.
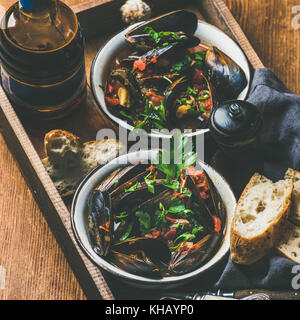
[150, 182]
[182, 65]
[172, 161]
[158, 36]
[132, 188]
[128, 232]
[144, 220]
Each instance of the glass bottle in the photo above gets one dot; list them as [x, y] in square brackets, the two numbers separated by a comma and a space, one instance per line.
[42, 58]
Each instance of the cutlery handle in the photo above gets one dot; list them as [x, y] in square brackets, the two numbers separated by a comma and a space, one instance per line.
[274, 295]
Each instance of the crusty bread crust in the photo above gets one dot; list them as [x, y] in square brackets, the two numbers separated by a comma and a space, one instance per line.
[289, 245]
[295, 207]
[87, 156]
[249, 250]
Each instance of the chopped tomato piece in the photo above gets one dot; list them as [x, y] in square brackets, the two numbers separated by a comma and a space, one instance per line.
[152, 167]
[154, 98]
[154, 59]
[208, 104]
[112, 102]
[153, 234]
[139, 64]
[217, 223]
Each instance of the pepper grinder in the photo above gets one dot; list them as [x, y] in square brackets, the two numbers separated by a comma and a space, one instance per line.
[235, 126]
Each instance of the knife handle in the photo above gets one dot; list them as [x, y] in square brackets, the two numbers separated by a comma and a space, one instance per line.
[274, 295]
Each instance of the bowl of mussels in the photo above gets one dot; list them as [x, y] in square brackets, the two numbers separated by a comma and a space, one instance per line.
[153, 224]
[168, 72]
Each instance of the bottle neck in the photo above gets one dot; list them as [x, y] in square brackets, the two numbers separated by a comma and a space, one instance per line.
[37, 7]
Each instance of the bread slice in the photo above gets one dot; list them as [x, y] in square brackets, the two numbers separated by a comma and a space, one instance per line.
[69, 160]
[295, 207]
[259, 218]
[289, 245]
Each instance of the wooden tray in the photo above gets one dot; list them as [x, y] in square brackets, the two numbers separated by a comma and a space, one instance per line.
[99, 19]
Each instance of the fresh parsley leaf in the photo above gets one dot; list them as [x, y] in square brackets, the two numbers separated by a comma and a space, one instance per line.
[144, 220]
[171, 184]
[199, 56]
[127, 232]
[182, 65]
[169, 80]
[197, 229]
[176, 206]
[150, 183]
[125, 115]
[191, 91]
[123, 215]
[116, 182]
[158, 36]
[132, 188]
[172, 161]
[156, 115]
[185, 236]
[152, 33]
[160, 218]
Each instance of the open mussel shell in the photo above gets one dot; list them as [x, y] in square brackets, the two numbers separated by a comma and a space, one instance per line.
[226, 76]
[141, 256]
[128, 81]
[173, 92]
[176, 21]
[136, 264]
[183, 262]
[100, 222]
[207, 208]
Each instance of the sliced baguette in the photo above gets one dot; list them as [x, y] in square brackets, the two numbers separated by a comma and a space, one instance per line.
[259, 218]
[69, 160]
[289, 245]
[295, 207]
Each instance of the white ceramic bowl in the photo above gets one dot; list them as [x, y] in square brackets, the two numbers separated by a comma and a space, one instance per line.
[208, 34]
[79, 220]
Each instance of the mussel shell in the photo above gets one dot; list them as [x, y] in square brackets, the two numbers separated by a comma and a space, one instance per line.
[141, 42]
[193, 259]
[145, 42]
[99, 214]
[158, 53]
[171, 95]
[134, 265]
[212, 206]
[226, 76]
[125, 77]
[155, 250]
[180, 20]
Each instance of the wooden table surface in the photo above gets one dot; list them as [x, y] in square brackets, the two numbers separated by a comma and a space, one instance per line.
[32, 265]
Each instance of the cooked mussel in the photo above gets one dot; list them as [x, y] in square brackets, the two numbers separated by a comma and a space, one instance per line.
[141, 256]
[100, 222]
[129, 91]
[226, 76]
[183, 100]
[176, 21]
[146, 42]
[207, 200]
[190, 256]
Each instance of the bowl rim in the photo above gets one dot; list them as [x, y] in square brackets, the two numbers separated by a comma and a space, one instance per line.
[115, 271]
[122, 123]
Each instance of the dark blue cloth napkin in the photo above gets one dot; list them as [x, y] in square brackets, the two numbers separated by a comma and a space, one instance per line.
[279, 145]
